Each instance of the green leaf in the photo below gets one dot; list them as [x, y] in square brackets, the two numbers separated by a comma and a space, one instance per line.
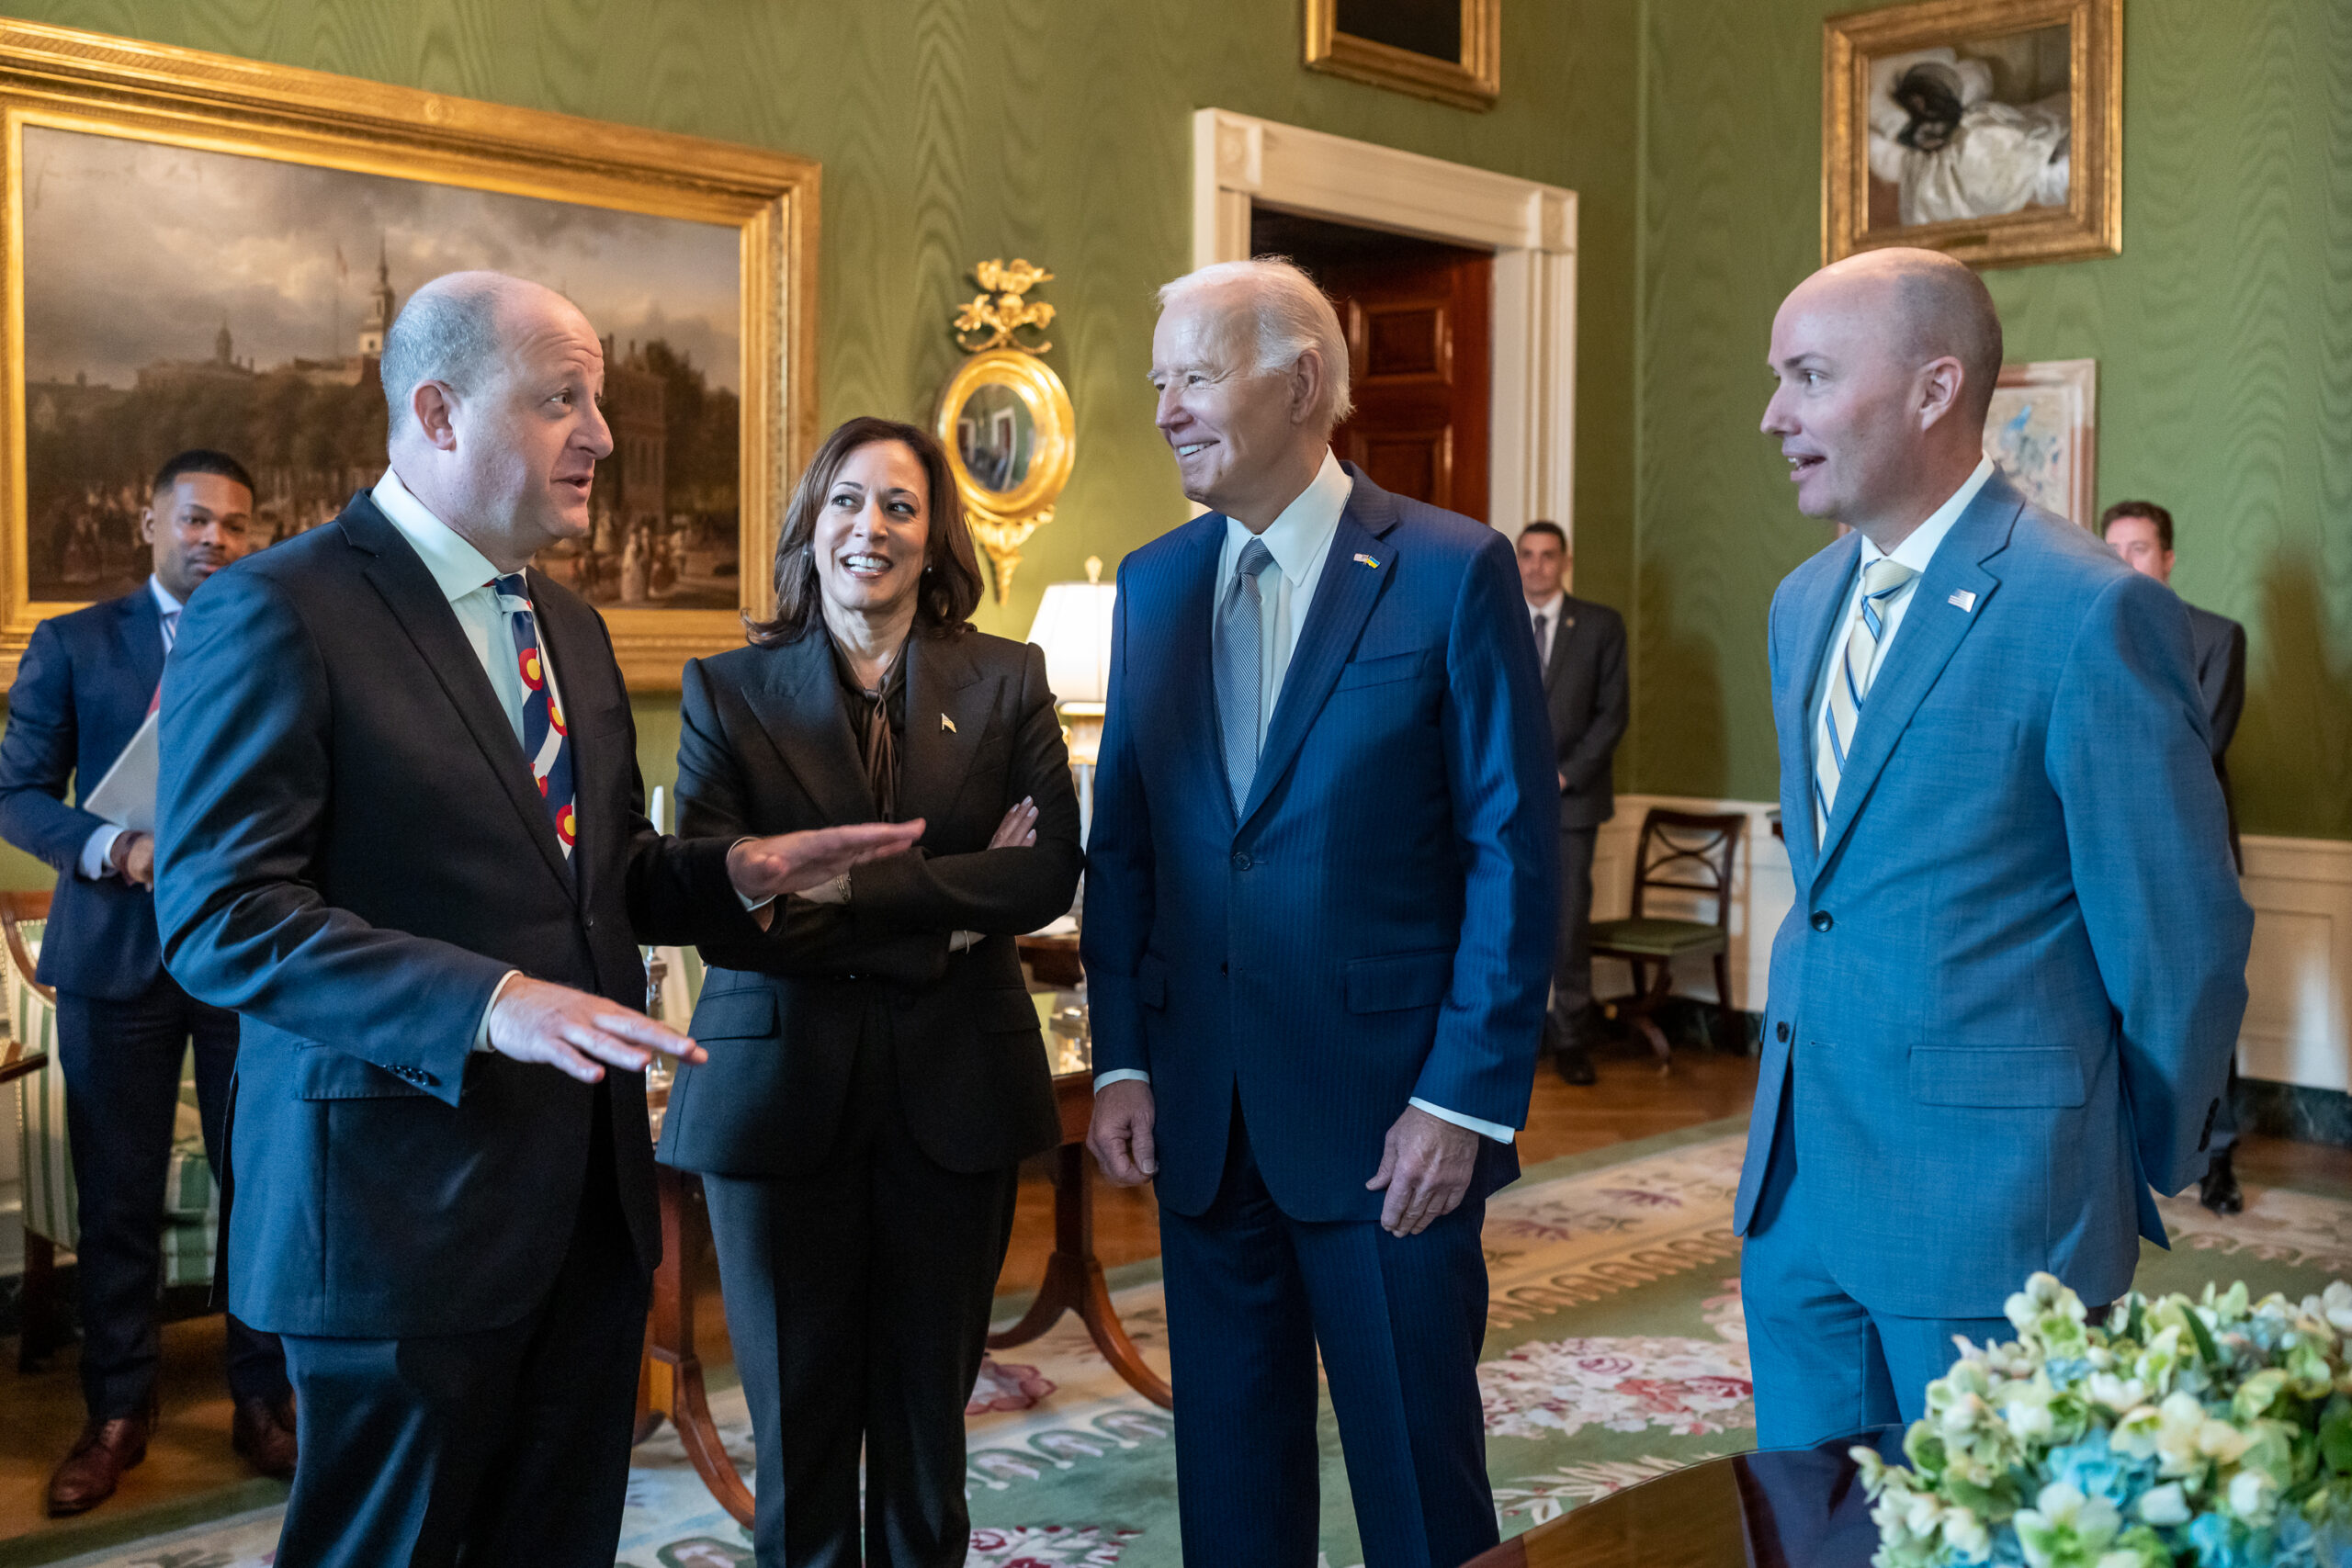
[2204, 1338]
[2335, 1437]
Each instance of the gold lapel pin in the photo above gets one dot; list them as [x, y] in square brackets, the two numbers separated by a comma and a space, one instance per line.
[947, 724]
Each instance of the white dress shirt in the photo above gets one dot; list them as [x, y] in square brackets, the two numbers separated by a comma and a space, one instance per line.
[99, 845]
[1916, 552]
[1300, 541]
[1544, 620]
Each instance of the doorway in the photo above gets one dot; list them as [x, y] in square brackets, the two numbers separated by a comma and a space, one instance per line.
[1418, 316]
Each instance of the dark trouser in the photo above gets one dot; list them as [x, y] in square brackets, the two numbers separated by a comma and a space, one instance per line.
[121, 1061]
[1826, 1365]
[1252, 1296]
[504, 1446]
[858, 1297]
[2225, 1119]
[1572, 961]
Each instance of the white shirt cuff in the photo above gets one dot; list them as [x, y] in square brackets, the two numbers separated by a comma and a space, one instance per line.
[481, 1030]
[95, 850]
[744, 898]
[1122, 1076]
[958, 941]
[1495, 1131]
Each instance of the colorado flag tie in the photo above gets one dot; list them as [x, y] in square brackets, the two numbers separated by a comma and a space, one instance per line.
[545, 741]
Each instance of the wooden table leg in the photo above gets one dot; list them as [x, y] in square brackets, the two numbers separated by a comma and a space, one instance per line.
[1074, 1283]
[671, 1380]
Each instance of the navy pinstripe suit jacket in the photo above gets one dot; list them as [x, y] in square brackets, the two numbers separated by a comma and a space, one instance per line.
[1377, 923]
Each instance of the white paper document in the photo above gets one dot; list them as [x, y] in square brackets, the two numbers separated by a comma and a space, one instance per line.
[126, 796]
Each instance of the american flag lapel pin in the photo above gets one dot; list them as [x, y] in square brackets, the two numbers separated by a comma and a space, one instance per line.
[947, 724]
[1965, 598]
[1367, 560]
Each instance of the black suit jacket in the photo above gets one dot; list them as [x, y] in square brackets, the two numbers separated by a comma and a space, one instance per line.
[2218, 644]
[766, 748]
[1584, 692]
[353, 854]
[81, 693]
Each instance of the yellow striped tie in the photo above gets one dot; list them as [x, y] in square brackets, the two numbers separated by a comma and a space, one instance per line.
[1884, 581]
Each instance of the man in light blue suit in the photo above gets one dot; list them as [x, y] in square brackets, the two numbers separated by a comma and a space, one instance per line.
[1319, 918]
[2004, 1004]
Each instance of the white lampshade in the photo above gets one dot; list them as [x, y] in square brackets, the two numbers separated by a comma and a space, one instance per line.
[1073, 626]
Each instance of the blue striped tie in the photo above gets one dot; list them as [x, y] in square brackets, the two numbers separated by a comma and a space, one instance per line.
[1240, 678]
[1883, 583]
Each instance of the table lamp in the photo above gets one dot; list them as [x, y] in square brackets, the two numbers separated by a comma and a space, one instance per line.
[1073, 626]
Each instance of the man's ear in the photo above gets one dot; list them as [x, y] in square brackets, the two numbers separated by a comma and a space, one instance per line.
[435, 407]
[1307, 385]
[1940, 382]
[147, 524]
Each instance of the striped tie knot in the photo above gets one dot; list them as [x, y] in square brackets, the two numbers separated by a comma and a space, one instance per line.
[1881, 580]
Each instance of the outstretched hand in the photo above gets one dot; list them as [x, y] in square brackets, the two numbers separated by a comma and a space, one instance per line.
[1426, 1166]
[573, 1032]
[791, 862]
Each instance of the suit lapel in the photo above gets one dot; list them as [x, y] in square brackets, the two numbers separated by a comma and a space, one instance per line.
[1344, 596]
[423, 612]
[1192, 659]
[140, 630]
[1933, 625]
[1814, 617]
[799, 709]
[1563, 629]
[943, 683]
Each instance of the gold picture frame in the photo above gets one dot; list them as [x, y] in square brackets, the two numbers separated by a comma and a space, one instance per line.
[1884, 184]
[57, 79]
[1472, 81]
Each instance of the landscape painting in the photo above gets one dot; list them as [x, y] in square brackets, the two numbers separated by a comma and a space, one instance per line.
[175, 297]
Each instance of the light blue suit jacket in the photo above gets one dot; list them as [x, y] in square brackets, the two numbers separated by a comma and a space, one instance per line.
[1375, 924]
[2006, 999]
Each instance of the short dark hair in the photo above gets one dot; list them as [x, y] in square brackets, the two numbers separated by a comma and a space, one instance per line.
[2147, 509]
[201, 460]
[950, 589]
[1552, 528]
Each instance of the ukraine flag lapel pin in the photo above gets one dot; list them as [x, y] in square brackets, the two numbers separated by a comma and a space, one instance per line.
[1367, 560]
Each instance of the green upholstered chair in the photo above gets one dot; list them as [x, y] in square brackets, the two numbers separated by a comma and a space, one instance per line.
[1688, 852]
[51, 1216]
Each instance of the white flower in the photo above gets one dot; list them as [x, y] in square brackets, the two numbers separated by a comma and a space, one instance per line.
[2334, 1303]
[2164, 1506]
[2117, 1394]
[2065, 1527]
[1967, 1536]
[2252, 1496]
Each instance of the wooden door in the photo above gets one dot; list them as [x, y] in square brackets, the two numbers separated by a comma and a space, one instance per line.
[1418, 352]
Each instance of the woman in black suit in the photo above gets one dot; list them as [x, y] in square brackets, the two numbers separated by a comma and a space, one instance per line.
[876, 1073]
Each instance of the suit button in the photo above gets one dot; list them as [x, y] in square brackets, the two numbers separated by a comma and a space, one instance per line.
[1240, 860]
[1781, 1031]
[1221, 969]
[591, 922]
[1821, 920]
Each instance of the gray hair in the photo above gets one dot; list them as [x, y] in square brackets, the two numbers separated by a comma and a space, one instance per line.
[447, 333]
[1292, 316]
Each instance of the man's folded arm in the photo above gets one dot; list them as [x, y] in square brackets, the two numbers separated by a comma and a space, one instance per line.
[1498, 760]
[2149, 845]
[240, 807]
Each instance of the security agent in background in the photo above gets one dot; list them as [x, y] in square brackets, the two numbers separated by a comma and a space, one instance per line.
[1581, 646]
[2141, 532]
[86, 685]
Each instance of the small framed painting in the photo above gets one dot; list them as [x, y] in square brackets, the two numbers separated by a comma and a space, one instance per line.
[1989, 129]
[1447, 50]
[2042, 430]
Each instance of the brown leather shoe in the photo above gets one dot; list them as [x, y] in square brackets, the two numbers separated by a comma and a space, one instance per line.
[264, 1433]
[92, 1470]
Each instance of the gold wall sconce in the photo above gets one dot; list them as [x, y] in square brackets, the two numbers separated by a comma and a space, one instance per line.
[1005, 418]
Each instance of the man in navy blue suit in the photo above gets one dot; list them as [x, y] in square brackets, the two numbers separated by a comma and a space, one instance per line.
[86, 684]
[1319, 931]
[2004, 1003]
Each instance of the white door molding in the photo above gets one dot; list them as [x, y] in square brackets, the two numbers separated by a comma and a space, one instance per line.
[1531, 229]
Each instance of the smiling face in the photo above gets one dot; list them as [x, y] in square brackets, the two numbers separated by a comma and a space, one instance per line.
[1245, 440]
[199, 525]
[872, 533]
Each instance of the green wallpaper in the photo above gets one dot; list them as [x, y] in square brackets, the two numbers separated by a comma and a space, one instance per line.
[2223, 334]
[951, 130]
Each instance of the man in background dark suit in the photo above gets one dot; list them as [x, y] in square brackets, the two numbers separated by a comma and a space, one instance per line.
[1582, 648]
[401, 835]
[2141, 532]
[86, 684]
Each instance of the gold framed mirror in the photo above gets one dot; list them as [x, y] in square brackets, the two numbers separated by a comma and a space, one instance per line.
[1006, 419]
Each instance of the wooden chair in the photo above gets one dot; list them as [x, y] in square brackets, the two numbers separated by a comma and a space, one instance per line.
[17, 1057]
[1686, 852]
[43, 1330]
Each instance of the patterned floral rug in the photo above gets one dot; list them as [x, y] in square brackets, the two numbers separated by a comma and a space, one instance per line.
[1615, 1346]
